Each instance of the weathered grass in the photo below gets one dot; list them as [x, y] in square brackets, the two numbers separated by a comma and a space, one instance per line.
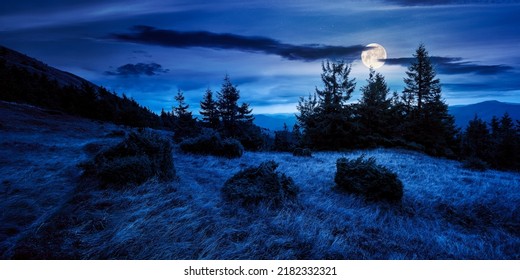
[447, 211]
[369, 179]
[139, 157]
[260, 183]
[459, 215]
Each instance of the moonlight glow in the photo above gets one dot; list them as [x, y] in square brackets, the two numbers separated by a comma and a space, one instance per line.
[374, 57]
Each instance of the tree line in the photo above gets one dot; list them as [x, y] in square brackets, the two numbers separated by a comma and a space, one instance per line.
[417, 119]
[17, 84]
[496, 144]
[221, 112]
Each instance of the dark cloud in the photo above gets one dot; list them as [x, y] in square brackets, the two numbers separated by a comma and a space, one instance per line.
[148, 69]
[454, 65]
[177, 39]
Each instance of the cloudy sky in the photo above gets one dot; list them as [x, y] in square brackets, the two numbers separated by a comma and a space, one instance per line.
[271, 49]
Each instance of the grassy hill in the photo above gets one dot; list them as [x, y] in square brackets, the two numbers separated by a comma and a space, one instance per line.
[49, 211]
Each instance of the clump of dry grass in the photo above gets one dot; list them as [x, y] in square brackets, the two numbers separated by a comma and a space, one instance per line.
[139, 157]
[260, 183]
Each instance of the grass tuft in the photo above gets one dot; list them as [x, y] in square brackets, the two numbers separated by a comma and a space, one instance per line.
[260, 183]
[474, 163]
[365, 177]
[211, 143]
[302, 152]
[136, 159]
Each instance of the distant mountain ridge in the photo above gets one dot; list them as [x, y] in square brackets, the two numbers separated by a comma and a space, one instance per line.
[275, 122]
[484, 110]
[462, 113]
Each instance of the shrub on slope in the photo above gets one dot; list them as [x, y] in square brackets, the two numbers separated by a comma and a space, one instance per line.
[474, 163]
[365, 177]
[302, 152]
[260, 183]
[133, 161]
[210, 143]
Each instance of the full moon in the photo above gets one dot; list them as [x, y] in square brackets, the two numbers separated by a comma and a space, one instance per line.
[374, 56]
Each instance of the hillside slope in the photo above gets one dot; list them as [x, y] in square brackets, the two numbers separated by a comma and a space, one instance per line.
[49, 212]
[39, 153]
[27, 80]
[32, 65]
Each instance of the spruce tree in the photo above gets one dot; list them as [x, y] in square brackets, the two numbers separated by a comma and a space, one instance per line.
[245, 114]
[237, 121]
[227, 106]
[476, 140]
[182, 108]
[398, 115]
[306, 120]
[429, 121]
[421, 84]
[327, 120]
[296, 135]
[337, 87]
[374, 108]
[167, 119]
[438, 127]
[209, 110]
[508, 146]
[185, 124]
[283, 140]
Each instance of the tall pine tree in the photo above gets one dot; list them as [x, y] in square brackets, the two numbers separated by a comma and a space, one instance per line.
[237, 120]
[185, 125]
[430, 123]
[327, 120]
[508, 144]
[476, 141]
[228, 106]
[209, 110]
[374, 109]
[421, 84]
[182, 108]
[283, 140]
[245, 114]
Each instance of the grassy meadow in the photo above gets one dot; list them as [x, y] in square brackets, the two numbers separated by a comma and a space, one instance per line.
[49, 211]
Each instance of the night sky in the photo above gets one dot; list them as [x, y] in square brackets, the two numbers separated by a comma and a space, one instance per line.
[271, 49]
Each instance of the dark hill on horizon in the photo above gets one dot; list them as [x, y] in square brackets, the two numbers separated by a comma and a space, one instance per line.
[30, 81]
[484, 110]
[34, 66]
[274, 122]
